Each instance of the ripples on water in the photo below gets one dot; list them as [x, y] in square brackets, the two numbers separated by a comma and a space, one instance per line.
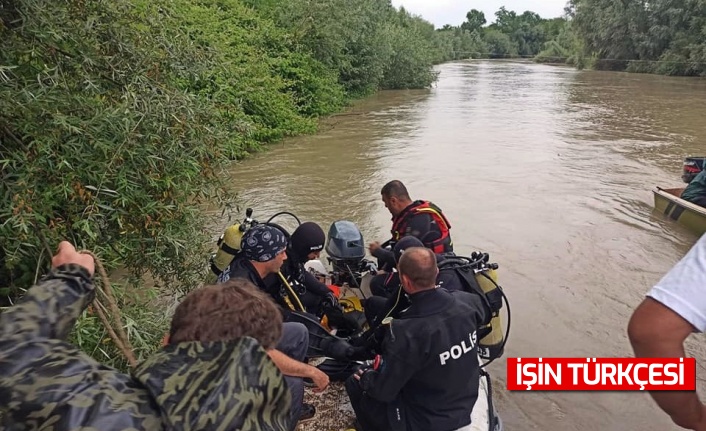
[547, 168]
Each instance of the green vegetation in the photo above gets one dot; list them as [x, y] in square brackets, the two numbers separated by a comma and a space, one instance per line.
[369, 44]
[663, 36]
[510, 36]
[118, 117]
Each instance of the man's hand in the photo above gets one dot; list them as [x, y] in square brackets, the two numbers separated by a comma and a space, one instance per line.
[294, 368]
[358, 374]
[373, 247]
[66, 254]
[320, 379]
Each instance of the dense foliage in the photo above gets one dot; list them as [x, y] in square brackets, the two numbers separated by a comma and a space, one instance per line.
[117, 118]
[370, 44]
[509, 36]
[664, 36]
[661, 36]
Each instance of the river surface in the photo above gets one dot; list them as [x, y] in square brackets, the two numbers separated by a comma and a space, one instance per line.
[548, 169]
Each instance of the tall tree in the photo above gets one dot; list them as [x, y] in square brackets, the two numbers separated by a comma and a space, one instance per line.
[475, 20]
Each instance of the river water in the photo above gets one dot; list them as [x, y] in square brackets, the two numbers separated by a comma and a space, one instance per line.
[548, 169]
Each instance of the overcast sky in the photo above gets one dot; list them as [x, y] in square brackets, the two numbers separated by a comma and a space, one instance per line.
[440, 12]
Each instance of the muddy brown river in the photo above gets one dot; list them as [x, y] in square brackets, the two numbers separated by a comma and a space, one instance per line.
[548, 169]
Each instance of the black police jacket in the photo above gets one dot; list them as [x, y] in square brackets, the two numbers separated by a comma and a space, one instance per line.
[429, 374]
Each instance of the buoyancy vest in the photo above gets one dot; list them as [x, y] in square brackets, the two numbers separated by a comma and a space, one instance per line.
[443, 244]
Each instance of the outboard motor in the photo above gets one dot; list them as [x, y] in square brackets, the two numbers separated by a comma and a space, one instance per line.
[346, 252]
[691, 168]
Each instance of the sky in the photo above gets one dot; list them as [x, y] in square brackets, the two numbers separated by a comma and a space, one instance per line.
[440, 12]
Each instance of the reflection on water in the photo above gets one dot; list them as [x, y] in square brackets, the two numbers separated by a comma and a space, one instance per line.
[548, 169]
[333, 174]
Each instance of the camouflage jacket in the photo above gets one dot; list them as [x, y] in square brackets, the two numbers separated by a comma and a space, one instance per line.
[49, 384]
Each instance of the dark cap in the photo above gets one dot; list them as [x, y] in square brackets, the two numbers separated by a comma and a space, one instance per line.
[262, 243]
[307, 238]
[405, 243]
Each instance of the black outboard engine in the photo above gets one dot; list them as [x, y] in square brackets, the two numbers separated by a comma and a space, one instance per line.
[346, 253]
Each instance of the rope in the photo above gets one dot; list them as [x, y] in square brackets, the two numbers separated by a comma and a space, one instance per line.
[105, 291]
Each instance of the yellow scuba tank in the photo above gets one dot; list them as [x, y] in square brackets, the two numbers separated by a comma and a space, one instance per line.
[228, 247]
[492, 345]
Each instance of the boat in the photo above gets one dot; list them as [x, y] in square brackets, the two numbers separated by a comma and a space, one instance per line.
[350, 273]
[687, 214]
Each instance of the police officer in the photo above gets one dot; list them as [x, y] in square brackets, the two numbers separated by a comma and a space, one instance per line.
[428, 373]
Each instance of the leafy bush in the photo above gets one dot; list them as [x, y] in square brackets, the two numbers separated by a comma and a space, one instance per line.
[99, 144]
[261, 81]
[118, 117]
[410, 65]
[500, 45]
[361, 41]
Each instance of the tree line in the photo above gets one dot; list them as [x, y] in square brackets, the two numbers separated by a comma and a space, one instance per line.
[511, 35]
[660, 36]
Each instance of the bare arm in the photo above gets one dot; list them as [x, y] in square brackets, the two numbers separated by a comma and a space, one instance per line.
[294, 368]
[655, 331]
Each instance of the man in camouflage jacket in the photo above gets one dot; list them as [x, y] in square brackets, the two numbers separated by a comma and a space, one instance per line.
[49, 384]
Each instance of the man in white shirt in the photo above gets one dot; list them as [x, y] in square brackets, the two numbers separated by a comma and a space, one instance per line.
[674, 308]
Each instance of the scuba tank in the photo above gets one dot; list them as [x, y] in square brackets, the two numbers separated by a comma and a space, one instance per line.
[492, 345]
[480, 277]
[229, 244]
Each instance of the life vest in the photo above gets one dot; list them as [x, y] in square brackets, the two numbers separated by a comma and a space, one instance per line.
[443, 244]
